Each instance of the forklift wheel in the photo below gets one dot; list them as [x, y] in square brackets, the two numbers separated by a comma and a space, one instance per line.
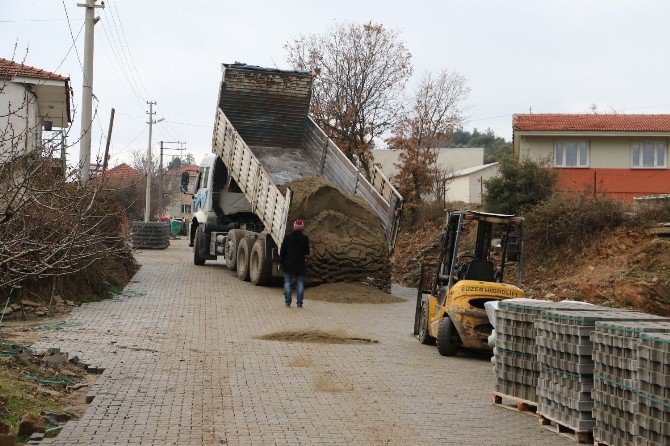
[448, 341]
[424, 337]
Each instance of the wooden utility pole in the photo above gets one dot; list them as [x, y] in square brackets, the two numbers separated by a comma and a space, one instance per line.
[109, 140]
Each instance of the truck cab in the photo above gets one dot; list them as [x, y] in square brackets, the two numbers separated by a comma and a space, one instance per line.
[223, 219]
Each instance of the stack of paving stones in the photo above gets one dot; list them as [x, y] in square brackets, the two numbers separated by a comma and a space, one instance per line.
[615, 380]
[654, 389]
[517, 368]
[564, 352]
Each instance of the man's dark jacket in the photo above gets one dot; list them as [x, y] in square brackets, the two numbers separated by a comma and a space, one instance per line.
[294, 248]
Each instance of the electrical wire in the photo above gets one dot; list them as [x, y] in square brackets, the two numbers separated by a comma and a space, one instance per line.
[67, 16]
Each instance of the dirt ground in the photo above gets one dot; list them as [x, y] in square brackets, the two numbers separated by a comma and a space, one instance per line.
[18, 393]
[624, 268]
[344, 292]
[317, 336]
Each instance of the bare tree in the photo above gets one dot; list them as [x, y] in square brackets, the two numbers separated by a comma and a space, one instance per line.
[437, 108]
[51, 224]
[140, 164]
[357, 95]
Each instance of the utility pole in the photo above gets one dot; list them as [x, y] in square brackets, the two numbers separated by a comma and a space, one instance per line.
[147, 199]
[87, 89]
[160, 182]
[109, 141]
[160, 171]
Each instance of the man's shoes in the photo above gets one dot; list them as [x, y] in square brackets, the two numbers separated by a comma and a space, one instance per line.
[299, 305]
[190, 245]
[287, 304]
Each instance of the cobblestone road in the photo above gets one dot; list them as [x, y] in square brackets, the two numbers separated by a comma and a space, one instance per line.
[183, 366]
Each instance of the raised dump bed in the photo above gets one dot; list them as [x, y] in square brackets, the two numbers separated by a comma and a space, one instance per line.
[265, 144]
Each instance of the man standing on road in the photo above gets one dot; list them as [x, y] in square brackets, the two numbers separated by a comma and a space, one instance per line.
[294, 248]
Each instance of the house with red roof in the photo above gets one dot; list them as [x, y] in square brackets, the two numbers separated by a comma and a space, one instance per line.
[123, 172]
[31, 99]
[622, 155]
[181, 204]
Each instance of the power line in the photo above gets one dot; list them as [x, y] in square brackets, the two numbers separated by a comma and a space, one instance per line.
[114, 10]
[74, 41]
[38, 20]
[138, 96]
[125, 149]
[189, 124]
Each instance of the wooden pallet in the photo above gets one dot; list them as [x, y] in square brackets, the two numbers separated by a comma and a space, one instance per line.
[582, 437]
[514, 403]
[600, 443]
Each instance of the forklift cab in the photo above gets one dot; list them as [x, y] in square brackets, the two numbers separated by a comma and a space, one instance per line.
[476, 249]
[497, 241]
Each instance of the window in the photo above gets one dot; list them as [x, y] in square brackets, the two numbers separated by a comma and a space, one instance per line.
[648, 154]
[185, 208]
[198, 181]
[571, 154]
[205, 177]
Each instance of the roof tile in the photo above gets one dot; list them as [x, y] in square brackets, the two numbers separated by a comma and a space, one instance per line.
[10, 69]
[591, 122]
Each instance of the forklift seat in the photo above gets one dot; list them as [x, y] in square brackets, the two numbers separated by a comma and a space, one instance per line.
[480, 270]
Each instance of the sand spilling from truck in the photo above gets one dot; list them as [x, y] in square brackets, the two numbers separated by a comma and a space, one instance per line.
[346, 237]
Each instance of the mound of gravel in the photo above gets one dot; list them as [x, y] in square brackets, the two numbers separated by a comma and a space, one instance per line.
[347, 240]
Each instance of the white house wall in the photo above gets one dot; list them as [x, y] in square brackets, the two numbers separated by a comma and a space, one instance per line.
[19, 126]
[458, 189]
[448, 160]
[605, 152]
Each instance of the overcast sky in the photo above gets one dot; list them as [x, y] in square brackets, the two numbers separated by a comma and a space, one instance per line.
[554, 56]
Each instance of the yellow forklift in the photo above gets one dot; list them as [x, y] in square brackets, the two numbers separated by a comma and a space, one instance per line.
[476, 249]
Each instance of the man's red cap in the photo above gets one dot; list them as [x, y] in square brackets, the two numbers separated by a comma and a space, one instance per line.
[298, 225]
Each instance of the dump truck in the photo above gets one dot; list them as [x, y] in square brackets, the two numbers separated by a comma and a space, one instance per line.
[264, 138]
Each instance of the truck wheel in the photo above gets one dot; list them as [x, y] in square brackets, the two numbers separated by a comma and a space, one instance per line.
[424, 337]
[232, 240]
[198, 257]
[260, 267]
[448, 341]
[243, 253]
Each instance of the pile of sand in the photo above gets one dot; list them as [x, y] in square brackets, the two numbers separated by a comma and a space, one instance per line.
[346, 237]
[316, 336]
[351, 293]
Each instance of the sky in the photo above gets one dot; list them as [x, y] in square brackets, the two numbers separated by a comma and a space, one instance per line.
[551, 56]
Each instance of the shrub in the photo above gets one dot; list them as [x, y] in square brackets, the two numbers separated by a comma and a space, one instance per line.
[519, 184]
[649, 213]
[571, 220]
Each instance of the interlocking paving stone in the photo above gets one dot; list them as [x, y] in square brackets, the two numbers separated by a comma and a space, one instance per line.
[183, 367]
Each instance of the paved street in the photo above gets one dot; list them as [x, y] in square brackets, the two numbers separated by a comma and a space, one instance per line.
[183, 366]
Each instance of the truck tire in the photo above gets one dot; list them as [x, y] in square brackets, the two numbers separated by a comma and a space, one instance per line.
[448, 341]
[243, 254]
[198, 255]
[260, 267]
[232, 240]
[424, 337]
